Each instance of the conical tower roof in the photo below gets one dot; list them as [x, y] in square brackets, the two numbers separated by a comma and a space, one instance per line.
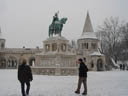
[88, 25]
[88, 32]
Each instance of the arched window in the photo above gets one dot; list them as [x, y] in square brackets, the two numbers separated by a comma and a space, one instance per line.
[2, 45]
[47, 47]
[2, 62]
[54, 47]
[93, 45]
[84, 59]
[32, 61]
[99, 65]
[84, 45]
[12, 62]
[63, 47]
[92, 65]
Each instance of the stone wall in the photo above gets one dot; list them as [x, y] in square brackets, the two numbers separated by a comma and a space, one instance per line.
[55, 71]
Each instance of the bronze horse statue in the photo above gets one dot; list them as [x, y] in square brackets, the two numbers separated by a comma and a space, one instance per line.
[56, 26]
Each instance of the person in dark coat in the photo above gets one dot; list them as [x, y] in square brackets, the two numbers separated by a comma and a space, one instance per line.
[82, 77]
[120, 66]
[25, 76]
[123, 67]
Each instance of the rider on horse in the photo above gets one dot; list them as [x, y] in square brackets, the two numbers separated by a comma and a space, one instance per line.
[57, 25]
[55, 18]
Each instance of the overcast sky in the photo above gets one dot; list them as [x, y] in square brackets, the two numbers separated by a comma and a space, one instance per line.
[26, 22]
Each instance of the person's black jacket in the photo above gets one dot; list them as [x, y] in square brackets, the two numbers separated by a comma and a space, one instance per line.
[24, 73]
[83, 70]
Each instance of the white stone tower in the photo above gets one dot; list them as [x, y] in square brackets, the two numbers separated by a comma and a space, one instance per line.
[2, 41]
[89, 49]
[88, 41]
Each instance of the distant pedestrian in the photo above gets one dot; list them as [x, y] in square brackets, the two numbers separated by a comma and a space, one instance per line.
[120, 66]
[127, 67]
[123, 66]
[24, 76]
[82, 77]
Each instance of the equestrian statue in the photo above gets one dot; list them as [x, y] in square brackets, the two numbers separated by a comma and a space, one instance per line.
[57, 25]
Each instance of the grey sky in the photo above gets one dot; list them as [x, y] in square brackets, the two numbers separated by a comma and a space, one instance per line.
[25, 22]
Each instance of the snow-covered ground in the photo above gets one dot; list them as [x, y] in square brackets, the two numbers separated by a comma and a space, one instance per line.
[109, 83]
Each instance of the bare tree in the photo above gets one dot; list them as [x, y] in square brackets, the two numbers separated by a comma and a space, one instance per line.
[124, 43]
[125, 35]
[110, 36]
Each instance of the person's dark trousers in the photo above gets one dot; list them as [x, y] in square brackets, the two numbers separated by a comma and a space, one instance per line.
[84, 81]
[23, 88]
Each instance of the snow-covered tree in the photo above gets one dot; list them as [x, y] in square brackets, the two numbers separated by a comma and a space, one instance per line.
[110, 36]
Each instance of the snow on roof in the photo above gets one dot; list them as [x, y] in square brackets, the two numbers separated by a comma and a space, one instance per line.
[88, 25]
[88, 35]
[96, 54]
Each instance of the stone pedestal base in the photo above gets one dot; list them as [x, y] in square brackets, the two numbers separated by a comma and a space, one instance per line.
[55, 71]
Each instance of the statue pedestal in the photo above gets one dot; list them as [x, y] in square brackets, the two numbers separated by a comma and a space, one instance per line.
[56, 58]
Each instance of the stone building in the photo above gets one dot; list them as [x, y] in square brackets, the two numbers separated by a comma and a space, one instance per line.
[12, 57]
[88, 48]
[56, 57]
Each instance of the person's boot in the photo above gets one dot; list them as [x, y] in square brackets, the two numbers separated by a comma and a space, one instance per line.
[84, 93]
[27, 94]
[77, 92]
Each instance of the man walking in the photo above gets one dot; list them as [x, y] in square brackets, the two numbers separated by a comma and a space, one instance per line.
[25, 76]
[82, 77]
